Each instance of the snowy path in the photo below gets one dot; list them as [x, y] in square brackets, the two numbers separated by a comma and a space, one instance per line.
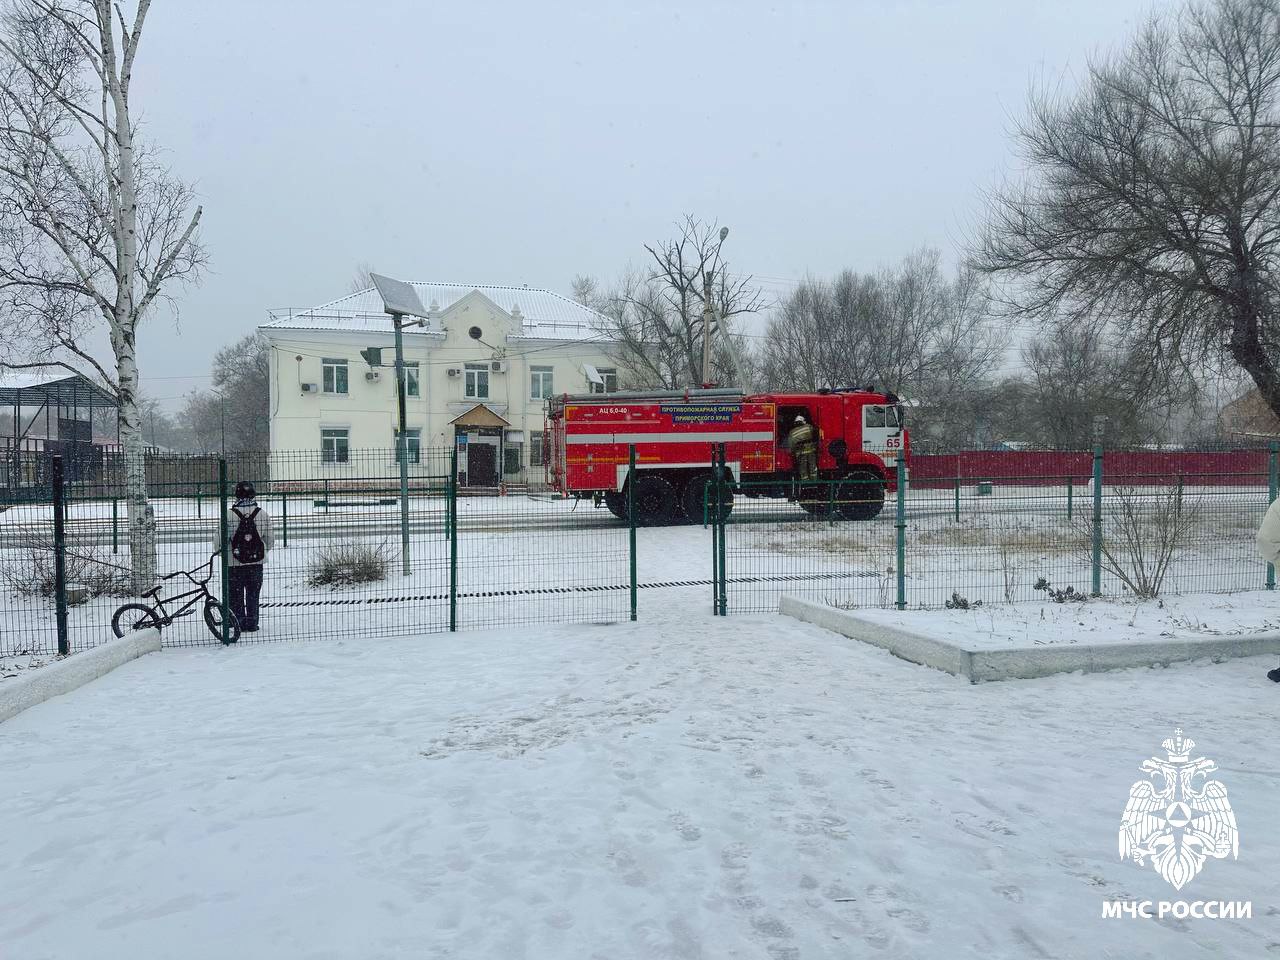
[686, 788]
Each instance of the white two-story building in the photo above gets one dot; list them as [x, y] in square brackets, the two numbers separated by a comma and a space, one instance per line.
[478, 373]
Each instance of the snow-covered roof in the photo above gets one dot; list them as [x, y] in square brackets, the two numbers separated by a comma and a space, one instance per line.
[54, 383]
[546, 315]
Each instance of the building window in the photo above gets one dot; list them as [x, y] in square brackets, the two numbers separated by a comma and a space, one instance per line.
[333, 445]
[535, 450]
[477, 382]
[608, 378]
[513, 455]
[540, 383]
[335, 375]
[413, 444]
[411, 380]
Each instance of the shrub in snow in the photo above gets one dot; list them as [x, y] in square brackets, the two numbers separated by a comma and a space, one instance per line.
[1063, 595]
[30, 573]
[344, 564]
[958, 602]
[1144, 530]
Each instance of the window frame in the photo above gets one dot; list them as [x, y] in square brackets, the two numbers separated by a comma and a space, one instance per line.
[544, 376]
[340, 444]
[412, 379]
[609, 376]
[536, 443]
[471, 375]
[413, 445]
[329, 368]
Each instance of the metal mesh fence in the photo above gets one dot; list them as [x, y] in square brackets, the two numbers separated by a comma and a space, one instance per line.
[525, 555]
[336, 569]
[1001, 539]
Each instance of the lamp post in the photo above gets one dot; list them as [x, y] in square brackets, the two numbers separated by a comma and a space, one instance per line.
[400, 300]
[708, 312]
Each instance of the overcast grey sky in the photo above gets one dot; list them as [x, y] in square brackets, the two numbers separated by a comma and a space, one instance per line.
[524, 142]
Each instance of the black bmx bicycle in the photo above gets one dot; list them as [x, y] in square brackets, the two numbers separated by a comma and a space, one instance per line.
[141, 616]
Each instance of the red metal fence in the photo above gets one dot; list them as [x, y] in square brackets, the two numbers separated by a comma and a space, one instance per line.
[1119, 467]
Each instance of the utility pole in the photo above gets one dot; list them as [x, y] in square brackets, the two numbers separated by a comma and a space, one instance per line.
[402, 442]
[400, 300]
[708, 312]
[707, 315]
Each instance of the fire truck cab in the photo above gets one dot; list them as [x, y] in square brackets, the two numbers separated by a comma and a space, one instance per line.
[860, 436]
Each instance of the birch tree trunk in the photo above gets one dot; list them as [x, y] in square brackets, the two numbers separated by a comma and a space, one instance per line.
[92, 228]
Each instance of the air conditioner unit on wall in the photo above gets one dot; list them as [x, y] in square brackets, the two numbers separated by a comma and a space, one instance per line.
[498, 366]
[310, 388]
[373, 376]
[454, 371]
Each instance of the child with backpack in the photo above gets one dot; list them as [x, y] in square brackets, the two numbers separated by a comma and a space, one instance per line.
[249, 533]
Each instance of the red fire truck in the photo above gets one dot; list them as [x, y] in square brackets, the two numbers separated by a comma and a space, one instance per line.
[860, 434]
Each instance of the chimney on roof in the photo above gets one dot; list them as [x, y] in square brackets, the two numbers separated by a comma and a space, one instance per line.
[516, 315]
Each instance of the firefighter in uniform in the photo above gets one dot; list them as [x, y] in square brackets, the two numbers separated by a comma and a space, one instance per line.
[802, 440]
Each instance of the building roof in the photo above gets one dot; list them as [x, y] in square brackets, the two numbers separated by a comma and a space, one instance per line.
[52, 383]
[546, 315]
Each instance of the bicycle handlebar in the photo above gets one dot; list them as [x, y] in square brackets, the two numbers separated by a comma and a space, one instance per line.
[190, 574]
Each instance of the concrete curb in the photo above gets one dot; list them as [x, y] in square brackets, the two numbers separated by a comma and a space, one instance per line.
[1023, 663]
[75, 671]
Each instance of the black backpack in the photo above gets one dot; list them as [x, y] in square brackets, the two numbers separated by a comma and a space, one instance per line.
[247, 545]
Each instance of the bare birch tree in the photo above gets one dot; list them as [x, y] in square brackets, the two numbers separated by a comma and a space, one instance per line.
[656, 316]
[93, 228]
[1152, 197]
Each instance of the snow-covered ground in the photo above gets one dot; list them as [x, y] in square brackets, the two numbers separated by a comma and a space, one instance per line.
[16, 665]
[682, 787]
[999, 626]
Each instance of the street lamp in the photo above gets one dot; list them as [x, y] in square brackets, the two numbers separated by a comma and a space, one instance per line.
[400, 300]
[708, 313]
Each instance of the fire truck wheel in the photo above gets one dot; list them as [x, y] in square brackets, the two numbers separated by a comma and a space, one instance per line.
[655, 500]
[693, 496]
[860, 496]
[617, 504]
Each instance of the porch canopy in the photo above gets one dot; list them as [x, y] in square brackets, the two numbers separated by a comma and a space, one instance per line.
[480, 416]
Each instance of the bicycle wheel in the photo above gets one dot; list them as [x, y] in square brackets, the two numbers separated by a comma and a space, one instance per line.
[133, 616]
[213, 613]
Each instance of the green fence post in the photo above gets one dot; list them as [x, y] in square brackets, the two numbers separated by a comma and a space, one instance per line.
[708, 493]
[60, 559]
[1070, 490]
[901, 525]
[1096, 558]
[225, 536]
[284, 519]
[199, 502]
[1177, 503]
[452, 510]
[957, 499]
[115, 525]
[631, 520]
[1273, 489]
[722, 521]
